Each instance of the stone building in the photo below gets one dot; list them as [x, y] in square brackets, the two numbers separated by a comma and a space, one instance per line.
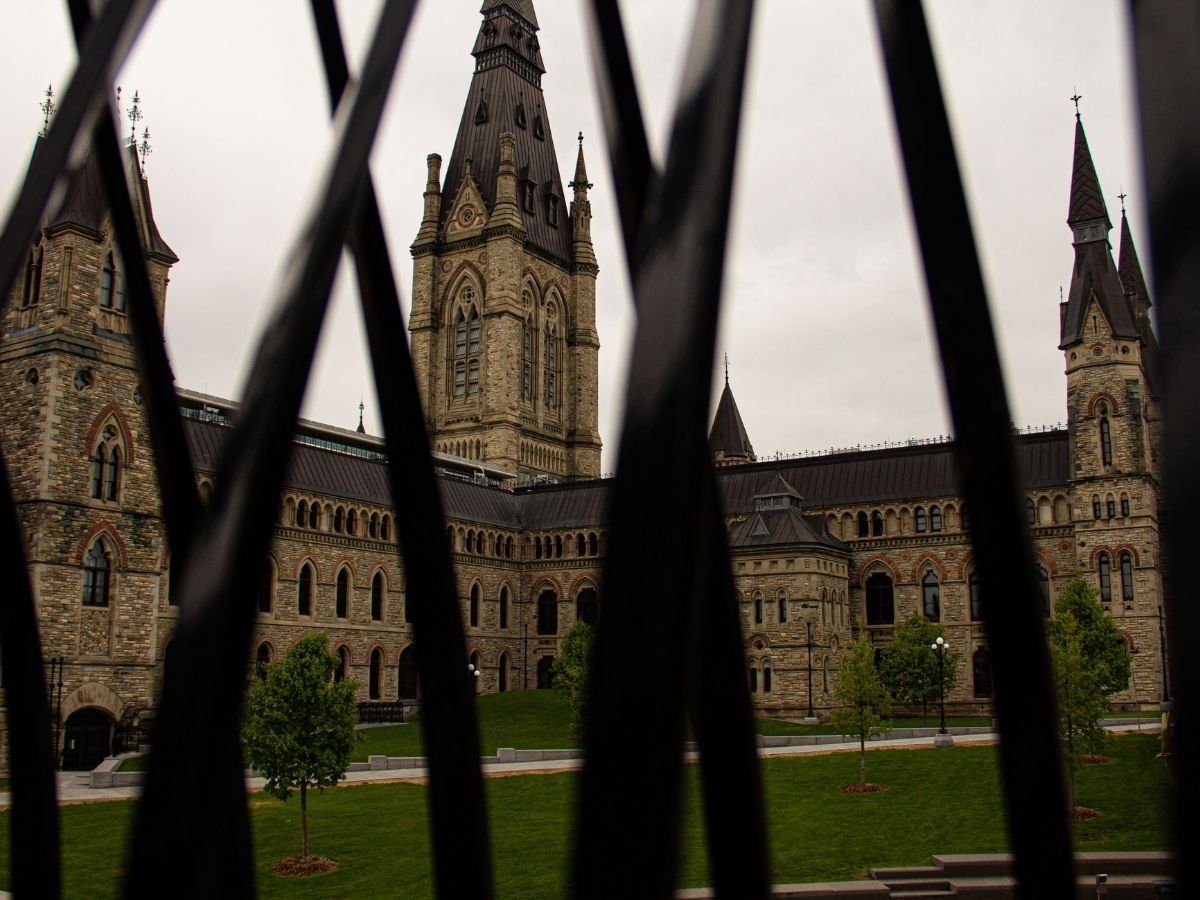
[505, 347]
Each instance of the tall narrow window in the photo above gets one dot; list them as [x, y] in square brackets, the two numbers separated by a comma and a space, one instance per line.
[931, 597]
[766, 676]
[1044, 585]
[976, 600]
[98, 463]
[1105, 566]
[342, 596]
[1110, 506]
[880, 606]
[1096, 508]
[301, 514]
[385, 527]
[864, 527]
[758, 609]
[1126, 576]
[919, 519]
[473, 611]
[504, 607]
[96, 570]
[351, 522]
[314, 516]
[465, 352]
[877, 524]
[339, 520]
[783, 607]
[377, 597]
[304, 589]
[502, 674]
[527, 346]
[373, 526]
[1030, 512]
[108, 275]
[1124, 505]
[32, 291]
[935, 518]
[376, 672]
[112, 478]
[1105, 440]
[106, 466]
[580, 545]
[547, 613]
[262, 659]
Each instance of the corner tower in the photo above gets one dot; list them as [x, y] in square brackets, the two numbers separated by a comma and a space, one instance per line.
[1113, 417]
[503, 319]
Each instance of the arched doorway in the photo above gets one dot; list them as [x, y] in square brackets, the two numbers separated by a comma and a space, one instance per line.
[408, 687]
[86, 740]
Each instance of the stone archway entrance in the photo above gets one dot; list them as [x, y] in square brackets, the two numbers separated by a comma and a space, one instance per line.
[87, 739]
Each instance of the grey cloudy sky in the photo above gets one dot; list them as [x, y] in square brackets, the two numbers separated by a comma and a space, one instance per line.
[824, 318]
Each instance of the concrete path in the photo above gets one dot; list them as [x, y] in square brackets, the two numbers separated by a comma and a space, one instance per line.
[73, 787]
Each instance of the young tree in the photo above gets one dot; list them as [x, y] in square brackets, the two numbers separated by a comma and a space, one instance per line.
[863, 704]
[1090, 664]
[570, 670]
[909, 668]
[299, 724]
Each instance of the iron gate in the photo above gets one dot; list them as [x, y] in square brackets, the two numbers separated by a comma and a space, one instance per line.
[674, 227]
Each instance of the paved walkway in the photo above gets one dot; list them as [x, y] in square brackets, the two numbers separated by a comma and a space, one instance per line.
[73, 786]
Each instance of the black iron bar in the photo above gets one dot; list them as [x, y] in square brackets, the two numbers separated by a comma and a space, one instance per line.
[1166, 44]
[680, 254]
[457, 808]
[1030, 756]
[206, 671]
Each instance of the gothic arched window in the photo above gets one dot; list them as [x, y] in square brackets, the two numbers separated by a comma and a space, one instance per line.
[112, 283]
[931, 597]
[528, 347]
[96, 570]
[864, 527]
[1105, 566]
[758, 609]
[465, 350]
[106, 465]
[877, 524]
[32, 290]
[919, 519]
[1044, 586]
[342, 598]
[935, 518]
[547, 612]
[473, 611]
[881, 609]
[377, 597]
[504, 607]
[1126, 576]
[304, 591]
[301, 513]
[976, 600]
[551, 358]
[1105, 437]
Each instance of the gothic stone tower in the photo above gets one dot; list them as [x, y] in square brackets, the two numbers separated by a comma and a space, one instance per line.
[503, 317]
[86, 492]
[1114, 421]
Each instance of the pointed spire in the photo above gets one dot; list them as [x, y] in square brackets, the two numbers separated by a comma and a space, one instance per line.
[580, 181]
[47, 107]
[1088, 216]
[1129, 268]
[727, 439]
[135, 116]
[361, 407]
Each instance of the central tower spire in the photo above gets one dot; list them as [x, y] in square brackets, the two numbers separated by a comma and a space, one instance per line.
[504, 275]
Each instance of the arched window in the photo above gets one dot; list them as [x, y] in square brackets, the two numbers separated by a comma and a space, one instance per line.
[593, 545]
[373, 681]
[385, 527]
[877, 524]
[919, 519]
[407, 682]
[479, 543]
[880, 607]
[502, 674]
[301, 514]
[106, 465]
[931, 597]
[580, 545]
[465, 351]
[558, 546]
[1105, 578]
[783, 607]
[981, 669]
[1124, 504]
[754, 679]
[528, 347]
[343, 665]
[470, 540]
[545, 674]
[473, 612]
[547, 612]
[508, 547]
[1126, 576]
[964, 518]
[1105, 437]
[766, 677]
[351, 522]
[339, 520]
[97, 567]
[266, 590]
[586, 606]
[377, 597]
[537, 548]
[110, 287]
[304, 590]
[373, 528]
[1030, 512]
[976, 600]
[551, 357]
[504, 606]
[1044, 586]
[1097, 510]
[32, 291]
[758, 608]
[262, 659]
[98, 462]
[1110, 506]
[935, 518]
[314, 515]
[342, 596]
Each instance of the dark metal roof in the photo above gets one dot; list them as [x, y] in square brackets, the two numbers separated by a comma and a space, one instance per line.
[1087, 201]
[875, 477]
[1095, 277]
[728, 432]
[85, 204]
[782, 526]
[508, 74]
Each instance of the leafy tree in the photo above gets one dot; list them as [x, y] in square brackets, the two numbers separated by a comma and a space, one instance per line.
[909, 668]
[862, 701]
[1090, 664]
[299, 724]
[570, 671]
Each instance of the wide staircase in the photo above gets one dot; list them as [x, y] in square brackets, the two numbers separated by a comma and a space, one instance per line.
[989, 876]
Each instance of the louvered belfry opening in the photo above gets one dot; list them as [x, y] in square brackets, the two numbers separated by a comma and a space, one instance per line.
[191, 835]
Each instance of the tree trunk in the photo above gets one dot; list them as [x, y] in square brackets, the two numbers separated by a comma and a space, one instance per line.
[304, 820]
[862, 758]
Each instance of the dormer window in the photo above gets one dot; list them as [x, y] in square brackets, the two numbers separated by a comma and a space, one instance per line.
[112, 285]
[528, 196]
[520, 115]
[539, 130]
[552, 210]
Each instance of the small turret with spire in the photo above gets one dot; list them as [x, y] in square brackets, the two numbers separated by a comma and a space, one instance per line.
[581, 210]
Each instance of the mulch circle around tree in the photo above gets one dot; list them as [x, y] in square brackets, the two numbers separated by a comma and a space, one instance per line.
[863, 789]
[1081, 813]
[1091, 759]
[299, 867]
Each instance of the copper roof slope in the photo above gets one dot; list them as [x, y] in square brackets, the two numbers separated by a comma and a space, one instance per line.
[728, 433]
[1087, 202]
[506, 96]
[84, 203]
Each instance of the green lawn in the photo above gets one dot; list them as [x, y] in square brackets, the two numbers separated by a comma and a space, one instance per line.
[817, 832]
[782, 727]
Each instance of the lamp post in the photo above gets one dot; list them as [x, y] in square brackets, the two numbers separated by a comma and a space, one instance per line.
[941, 648]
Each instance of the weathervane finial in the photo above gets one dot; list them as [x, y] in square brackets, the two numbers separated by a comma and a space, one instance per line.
[144, 148]
[727, 370]
[47, 107]
[135, 116]
[1121, 196]
[1075, 98]
[361, 407]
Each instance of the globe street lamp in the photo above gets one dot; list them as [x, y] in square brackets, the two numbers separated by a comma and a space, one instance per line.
[941, 648]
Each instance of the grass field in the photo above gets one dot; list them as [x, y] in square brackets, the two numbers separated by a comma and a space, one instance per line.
[937, 801]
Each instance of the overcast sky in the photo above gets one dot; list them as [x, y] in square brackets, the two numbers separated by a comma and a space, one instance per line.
[824, 315]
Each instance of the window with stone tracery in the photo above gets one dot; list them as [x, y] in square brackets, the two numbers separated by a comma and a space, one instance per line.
[551, 358]
[465, 346]
[107, 459]
[97, 568]
[112, 284]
